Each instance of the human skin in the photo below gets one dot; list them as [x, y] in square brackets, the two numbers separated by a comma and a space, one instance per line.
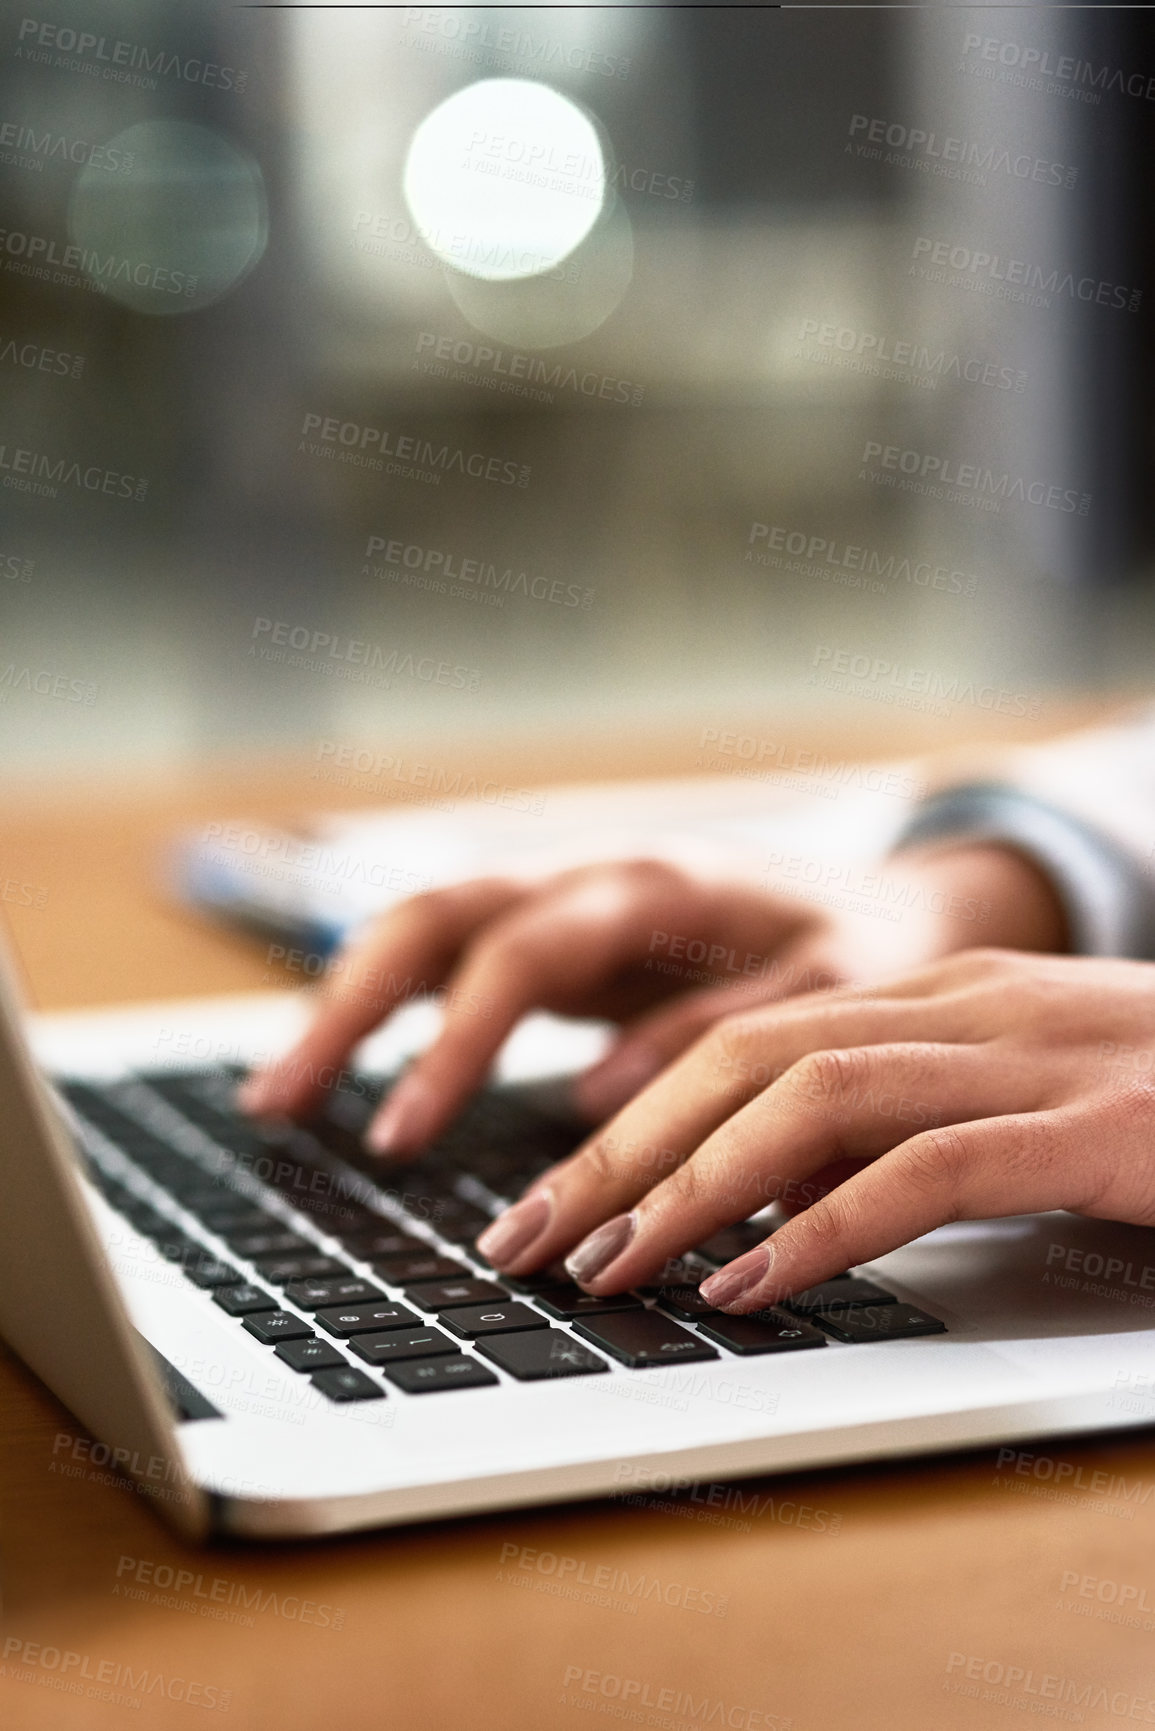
[877, 1080]
[987, 1083]
[585, 943]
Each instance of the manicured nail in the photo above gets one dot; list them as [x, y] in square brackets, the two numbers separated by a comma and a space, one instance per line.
[606, 1086]
[515, 1230]
[399, 1127]
[738, 1279]
[595, 1253]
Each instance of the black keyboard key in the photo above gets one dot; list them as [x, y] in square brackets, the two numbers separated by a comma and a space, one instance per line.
[275, 1325]
[401, 1343]
[346, 1384]
[540, 1354]
[434, 1375]
[349, 1319]
[283, 1269]
[311, 1354]
[643, 1338]
[439, 1295]
[400, 1270]
[479, 1319]
[734, 1241]
[367, 1243]
[566, 1302]
[556, 1274]
[688, 1270]
[317, 1294]
[278, 1242]
[458, 1221]
[686, 1302]
[763, 1333]
[891, 1321]
[243, 1300]
[844, 1292]
[205, 1271]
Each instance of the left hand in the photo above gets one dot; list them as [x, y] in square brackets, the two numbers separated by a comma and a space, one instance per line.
[989, 1083]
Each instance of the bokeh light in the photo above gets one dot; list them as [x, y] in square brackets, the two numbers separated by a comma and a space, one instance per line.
[505, 179]
[173, 218]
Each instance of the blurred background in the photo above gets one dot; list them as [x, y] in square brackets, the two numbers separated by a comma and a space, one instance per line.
[394, 377]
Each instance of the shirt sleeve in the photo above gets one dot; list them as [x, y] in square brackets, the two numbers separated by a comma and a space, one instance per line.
[1107, 895]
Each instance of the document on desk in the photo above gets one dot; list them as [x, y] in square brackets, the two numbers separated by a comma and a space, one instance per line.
[314, 881]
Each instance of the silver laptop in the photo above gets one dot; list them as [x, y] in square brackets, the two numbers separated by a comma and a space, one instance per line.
[274, 1335]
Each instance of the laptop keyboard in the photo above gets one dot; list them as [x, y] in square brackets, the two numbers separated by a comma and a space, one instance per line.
[363, 1276]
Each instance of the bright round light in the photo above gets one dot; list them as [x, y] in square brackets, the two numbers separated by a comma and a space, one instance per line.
[505, 178]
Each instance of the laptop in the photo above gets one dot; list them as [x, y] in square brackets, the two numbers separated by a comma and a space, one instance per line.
[274, 1335]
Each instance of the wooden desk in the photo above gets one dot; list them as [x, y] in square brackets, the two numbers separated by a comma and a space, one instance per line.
[846, 1598]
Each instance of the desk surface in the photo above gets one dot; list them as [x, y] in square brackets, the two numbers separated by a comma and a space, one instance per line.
[851, 1600]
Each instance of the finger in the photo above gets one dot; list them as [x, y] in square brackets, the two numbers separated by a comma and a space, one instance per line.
[832, 1104]
[411, 949]
[653, 1041]
[663, 1126]
[566, 941]
[1009, 1164]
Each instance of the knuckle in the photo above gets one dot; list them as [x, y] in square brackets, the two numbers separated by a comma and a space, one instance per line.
[1116, 1127]
[423, 905]
[822, 1228]
[991, 960]
[460, 899]
[602, 1162]
[423, 913]
[647, 869]
[614, 894]
[639, 876]
[736, 1035]
[1114, 1123]
[1136, 1103]
[432, 904]
[936, 1160]
[980, 964]
[832, 1075]
[727, 1055]
[692, 1184]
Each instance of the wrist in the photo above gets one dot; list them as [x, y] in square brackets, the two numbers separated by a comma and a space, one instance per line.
[985, 894]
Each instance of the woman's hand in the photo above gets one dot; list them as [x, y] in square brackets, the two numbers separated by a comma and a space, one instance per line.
[987, 1084]
[614, 941]
[663, 950]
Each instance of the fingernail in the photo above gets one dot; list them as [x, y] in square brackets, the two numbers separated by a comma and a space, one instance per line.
[738, 1279]
[516, 1229]
[398, 1127]
[607, 1086]
[595, 1253]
